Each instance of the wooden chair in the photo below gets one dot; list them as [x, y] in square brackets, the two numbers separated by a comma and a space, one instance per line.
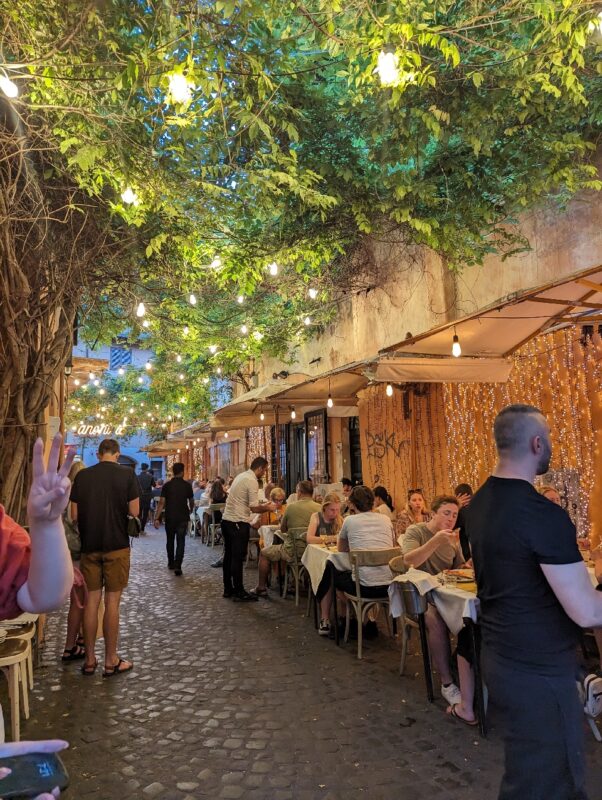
[13, 663]
[362, 605]
[296, 539]
[215, 528]
[28, 633]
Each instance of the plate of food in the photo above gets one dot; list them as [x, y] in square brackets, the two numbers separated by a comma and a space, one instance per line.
[464, 575]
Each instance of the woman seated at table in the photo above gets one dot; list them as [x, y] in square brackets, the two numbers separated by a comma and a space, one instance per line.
[434, 546]
[324, 525]
[383, 502]
[362, 530]
[414, 512]
[277, 496]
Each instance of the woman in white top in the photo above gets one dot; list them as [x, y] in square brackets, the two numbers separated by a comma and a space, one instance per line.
[383, 502]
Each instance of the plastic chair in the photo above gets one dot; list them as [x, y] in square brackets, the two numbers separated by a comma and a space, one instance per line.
[295, 542]
[362, 605]
[13, 662]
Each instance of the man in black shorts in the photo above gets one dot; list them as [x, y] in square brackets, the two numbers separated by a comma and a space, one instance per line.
[535, 594]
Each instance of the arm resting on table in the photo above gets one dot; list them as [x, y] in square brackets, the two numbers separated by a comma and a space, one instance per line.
[573, 587]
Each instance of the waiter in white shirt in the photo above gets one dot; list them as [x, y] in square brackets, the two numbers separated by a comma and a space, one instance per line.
[242, 503]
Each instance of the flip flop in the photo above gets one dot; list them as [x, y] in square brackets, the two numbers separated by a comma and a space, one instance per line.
[116, 670]
[89, 669]
[451, 712]
[74, 654]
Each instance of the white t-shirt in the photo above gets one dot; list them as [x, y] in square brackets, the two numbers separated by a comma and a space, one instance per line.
[385, 511]
[370, 531]
[243, 494]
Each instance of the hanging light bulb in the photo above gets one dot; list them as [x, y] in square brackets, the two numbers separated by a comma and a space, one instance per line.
[219, 370]
[273, 268]
[240, 299]
[205, 380]
[76, 382]
[131, 410]
[387, 68]
[330, 401]
[141, 310]
[192, 299]
[140, 380]
[185, 330]
[313, 293]
[121, 371]
[145, 323]
[244, 329]
[180, 90]
[181, 376]
[257, 335]
[130, 197]
[179, 359]
[262, 416]
[92, 376]
[9, 87]
[213, 348]
[226, 434]
[148, 365]
[216, 263]
[389, 390]
[307, 321]
[96, 382]
[293, 413]
[456, 349]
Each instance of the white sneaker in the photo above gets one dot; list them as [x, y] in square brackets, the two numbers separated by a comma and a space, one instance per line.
[324, 628]
[451, 693]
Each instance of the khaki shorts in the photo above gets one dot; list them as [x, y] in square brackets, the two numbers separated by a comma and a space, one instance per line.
[275, 552]
[111, 570]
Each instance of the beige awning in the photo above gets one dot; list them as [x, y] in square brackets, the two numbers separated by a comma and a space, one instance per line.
[244, 411]
[408, 369]
[499, 330]
[342, 384]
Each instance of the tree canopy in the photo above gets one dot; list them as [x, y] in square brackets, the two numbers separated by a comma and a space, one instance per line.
[234, 155]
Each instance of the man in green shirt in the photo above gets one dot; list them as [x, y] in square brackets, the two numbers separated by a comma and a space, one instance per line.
[297, 515]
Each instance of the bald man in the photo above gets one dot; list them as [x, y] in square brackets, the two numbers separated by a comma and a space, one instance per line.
[535, 596]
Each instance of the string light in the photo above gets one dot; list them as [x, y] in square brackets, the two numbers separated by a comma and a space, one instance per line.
[293, 413]
[330, 401]
[9, 87]
[181, 376]
[213, 348]
[130, 197]
[219, 370]
[307, 321]
[226, 434]
[262, 416]
[121, 371]
[140, 380]
[244, 329]
[257, 335]
[389, 390]
[456, 348]
[205, 380]
[240, 299]
[387, 68]
[179, 359]
[96, 382]
[313, 293]
[148, 365]
[131, 410]
[192, 300]
[273, 268]
[92, 376]
[216, 263]
[76, 382]
[185, 330]
[141, 310]
[145, 323]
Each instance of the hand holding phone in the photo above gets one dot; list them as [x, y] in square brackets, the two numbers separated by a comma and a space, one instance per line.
[32, 769]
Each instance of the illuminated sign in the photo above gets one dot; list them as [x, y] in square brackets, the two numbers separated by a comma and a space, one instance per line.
[100, 430]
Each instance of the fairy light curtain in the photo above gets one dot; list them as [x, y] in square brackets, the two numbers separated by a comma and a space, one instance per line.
[561, 373]
[258, 442]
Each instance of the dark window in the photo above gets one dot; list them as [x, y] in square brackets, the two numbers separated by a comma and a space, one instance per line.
[317, 446]
[283, 454]
[355, 450]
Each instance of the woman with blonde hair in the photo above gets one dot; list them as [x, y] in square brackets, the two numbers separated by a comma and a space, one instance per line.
[550, 493]
[324, 525]
[414, 512]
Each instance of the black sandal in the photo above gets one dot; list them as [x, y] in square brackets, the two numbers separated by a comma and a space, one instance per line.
[75, 654]
[89, 669]
[116, 670]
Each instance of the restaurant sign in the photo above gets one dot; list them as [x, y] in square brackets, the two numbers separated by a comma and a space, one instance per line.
[100, 430]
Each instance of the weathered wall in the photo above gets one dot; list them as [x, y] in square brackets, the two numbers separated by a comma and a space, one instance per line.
[416, 292]
[388, 441]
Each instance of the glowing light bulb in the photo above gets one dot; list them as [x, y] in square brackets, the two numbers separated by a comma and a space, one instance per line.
[96, 382]
[92, 376]
[130, 197]
[219, 370]
[257, 335]
[456, 349]
[180, 90]
[226, 434]
[179, 359]
[389, 390]
[313, 293]
[307, 321]
[244, 329]
[240, 299]
[216, 263]
[330, 401]
[185, 330]
[132, 410]
[141, 310]
[273, 268]
[293, 414]
[213, 348]
[387, 68]
[145, 323]
[205, 380]
[192, 299]
[148, 365]
[121, 371]
[9, 87]
[181, 376]
[140, 380]
[76, 382]
[262, 416]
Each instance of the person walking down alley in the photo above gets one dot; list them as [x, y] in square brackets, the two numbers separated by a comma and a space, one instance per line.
[177, 498]
[242, 502]
[102, 497]
[147, 484]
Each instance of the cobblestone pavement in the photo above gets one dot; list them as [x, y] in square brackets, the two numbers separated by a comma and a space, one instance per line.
[246, 701]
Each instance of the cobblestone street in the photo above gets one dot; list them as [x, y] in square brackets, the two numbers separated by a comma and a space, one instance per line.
[246, 701]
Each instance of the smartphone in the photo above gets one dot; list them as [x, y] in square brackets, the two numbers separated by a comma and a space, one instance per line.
[32, 774]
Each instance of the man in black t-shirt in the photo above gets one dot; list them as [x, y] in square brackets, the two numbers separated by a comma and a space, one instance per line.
[177, 499]
[147, 483]
[101, 499]
[535, 592]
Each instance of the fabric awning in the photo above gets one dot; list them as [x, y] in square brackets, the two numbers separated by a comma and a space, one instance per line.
[407, 369]
[499, 330]
[342, 384]
[244, 411]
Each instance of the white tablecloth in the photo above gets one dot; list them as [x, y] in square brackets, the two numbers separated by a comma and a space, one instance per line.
[315, 559]
[266, 532]
[452, 603]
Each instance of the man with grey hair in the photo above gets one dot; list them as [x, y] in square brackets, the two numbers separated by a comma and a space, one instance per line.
[535, 596]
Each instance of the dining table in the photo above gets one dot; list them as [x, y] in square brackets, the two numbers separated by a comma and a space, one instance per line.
[320, 560]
